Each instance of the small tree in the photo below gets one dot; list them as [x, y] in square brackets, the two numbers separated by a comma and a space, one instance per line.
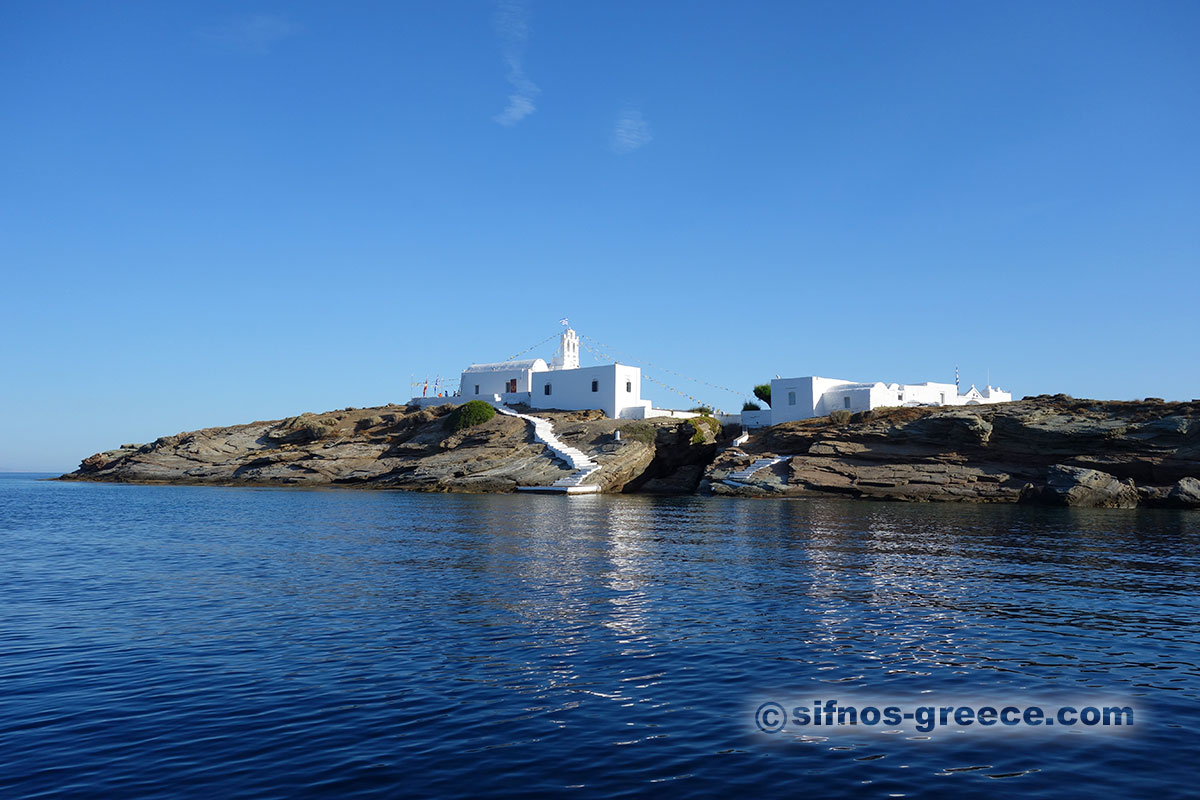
[763, 392]
[749, 406]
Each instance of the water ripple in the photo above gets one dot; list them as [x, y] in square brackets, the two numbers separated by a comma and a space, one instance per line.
[200, 642]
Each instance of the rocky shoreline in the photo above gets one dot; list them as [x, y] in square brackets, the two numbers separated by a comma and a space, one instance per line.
[1052, 450]
[405, 447]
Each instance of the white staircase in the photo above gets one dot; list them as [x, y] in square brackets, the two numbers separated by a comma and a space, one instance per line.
[577, 460]
[743, 475]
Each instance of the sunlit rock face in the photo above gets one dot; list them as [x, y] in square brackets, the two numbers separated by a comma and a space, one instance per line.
[404, 447]
[1052, 450]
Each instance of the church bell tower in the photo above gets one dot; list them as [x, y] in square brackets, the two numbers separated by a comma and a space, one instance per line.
[567, 356]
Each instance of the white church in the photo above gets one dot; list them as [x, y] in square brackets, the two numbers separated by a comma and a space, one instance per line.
[615, 389]
[803, 398]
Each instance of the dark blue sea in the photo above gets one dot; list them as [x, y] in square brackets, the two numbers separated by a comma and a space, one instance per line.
[205, 642]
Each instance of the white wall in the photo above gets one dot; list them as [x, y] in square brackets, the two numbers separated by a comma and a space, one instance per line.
[818, 397]
[666, 412]
[995, 395]
[758, 419]
[628, 401]
[841, 396]
[928, 393]
[812, 397]
[571, 390]
[791, 399]
[491, 382]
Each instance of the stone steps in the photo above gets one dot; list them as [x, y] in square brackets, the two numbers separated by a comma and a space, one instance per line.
[577, 460]
[762, 463]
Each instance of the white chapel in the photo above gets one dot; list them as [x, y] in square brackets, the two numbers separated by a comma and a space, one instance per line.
[615, 389]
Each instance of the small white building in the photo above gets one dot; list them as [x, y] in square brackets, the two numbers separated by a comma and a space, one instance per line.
[803, 398]
[615, 389]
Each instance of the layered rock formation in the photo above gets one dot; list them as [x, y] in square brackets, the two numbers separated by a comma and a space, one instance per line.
[1050, 449]
[398, 447]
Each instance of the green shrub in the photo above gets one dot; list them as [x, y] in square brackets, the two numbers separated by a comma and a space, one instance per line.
[763, 392]
[704, 426]
[643, 432]
[470, 413]
[749, 406]
[705, 410]
[839, 417]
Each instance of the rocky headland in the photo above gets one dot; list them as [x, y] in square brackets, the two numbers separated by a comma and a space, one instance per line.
[405, 447]
[1052, 450]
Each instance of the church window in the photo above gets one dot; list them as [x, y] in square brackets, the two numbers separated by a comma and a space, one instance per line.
[629, 386]
[547, 389]
[846, 401]
[595, 386]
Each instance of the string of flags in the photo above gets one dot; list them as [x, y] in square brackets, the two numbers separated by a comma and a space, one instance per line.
[439, 387]
[680, 392]
[443, 389]
[661, 369]
[539, 344]
[695, 400]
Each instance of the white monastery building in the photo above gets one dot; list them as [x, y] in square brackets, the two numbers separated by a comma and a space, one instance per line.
[562, 384]
[803, 398]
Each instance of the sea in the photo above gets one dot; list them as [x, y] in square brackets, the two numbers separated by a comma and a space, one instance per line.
[176, 641]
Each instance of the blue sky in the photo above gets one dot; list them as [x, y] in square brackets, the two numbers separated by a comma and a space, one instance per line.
[212, 213]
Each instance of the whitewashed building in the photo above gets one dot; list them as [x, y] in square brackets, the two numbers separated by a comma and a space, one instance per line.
[615, 389]
[807, 397]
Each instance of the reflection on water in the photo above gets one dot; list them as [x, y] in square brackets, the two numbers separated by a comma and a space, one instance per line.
[209, 642]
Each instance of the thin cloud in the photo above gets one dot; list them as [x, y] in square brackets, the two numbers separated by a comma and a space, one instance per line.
[512, 26]
[254, 34]
[630, 132]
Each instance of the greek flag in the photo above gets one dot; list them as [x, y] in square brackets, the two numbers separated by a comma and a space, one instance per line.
[562, 321]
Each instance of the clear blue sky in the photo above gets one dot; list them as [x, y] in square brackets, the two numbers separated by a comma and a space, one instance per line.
[212, 213]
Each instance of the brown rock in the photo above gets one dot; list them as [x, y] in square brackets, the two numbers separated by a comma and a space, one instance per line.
[92, 463]
[1084, 488]
[1184, 494]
